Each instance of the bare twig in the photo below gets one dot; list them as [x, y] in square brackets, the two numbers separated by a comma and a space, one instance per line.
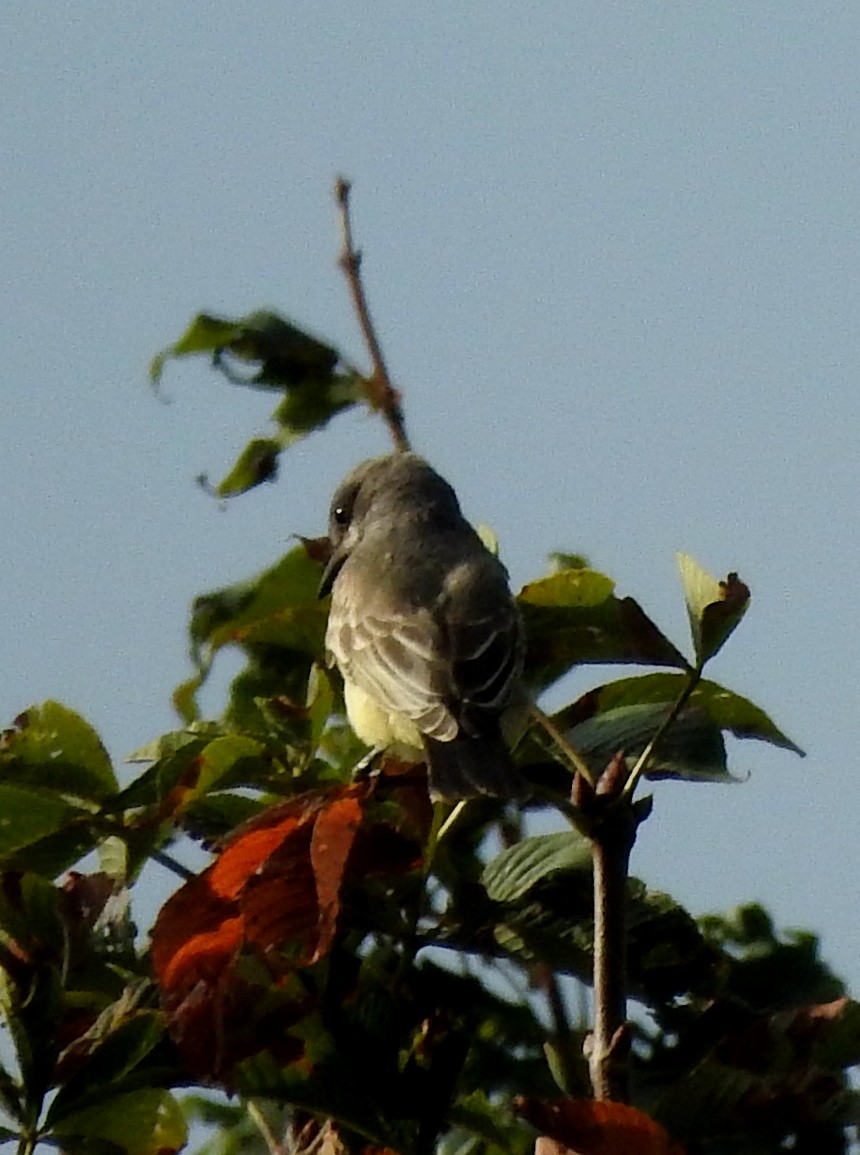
[613, 819]
[695, 676]
[170, 863]
[262, 1124]
[381, 393]
[573, 758]
[609, 1042]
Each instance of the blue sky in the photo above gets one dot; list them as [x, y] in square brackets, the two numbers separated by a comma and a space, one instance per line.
[612, 250]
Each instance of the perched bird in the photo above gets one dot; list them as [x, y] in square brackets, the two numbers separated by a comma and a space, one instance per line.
[423, 627]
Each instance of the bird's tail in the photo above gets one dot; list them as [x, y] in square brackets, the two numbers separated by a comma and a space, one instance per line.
[468, 767]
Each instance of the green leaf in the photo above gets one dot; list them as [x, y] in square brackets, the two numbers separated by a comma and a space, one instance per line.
[287, 354]
[313, 403]
[117, 1044]
[692, 750]
[28, 815]
[562, 561]
[144, 1122]
[223, 757]
[724, 708]
[552, 923]
[573, 616]
[714, 607]
[258, 462]
[578, 587]
[113, 858]
[52, 746]
[276, 618]
[514, 872]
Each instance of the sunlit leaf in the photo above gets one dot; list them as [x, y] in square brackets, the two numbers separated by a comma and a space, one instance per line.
[52, 746]
[714, 607]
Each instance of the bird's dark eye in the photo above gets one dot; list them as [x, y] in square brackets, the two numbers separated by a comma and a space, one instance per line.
[341, 515]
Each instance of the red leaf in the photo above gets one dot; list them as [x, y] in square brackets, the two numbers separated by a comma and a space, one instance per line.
[592, 1127]
[275, 891]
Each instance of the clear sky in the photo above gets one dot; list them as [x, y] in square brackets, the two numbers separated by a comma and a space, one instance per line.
[612, 250]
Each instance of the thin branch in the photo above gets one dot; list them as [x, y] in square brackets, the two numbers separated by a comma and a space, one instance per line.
[573, 758]
[644, 758]
[262, 1124]
[382, 394]
[609, 1041]
[170, 863]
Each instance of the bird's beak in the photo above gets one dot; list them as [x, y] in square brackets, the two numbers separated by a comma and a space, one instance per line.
[332, 569]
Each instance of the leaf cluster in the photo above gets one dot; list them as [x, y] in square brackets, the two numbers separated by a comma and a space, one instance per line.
[351, 967]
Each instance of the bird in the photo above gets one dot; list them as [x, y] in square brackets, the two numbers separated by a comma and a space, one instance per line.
[423, 628]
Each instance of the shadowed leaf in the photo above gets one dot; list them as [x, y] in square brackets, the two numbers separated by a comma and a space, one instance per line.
[725, 709]
[573, 616]
[143, 1122]
[693, 750]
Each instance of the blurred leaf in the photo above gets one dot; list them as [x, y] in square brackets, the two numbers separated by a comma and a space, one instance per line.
[54, 747]
[289, 360]
[724, 708]
[101, 1059]
[113, 858]
[143, 1122]
[769, 970]
[491, 1127]
[548, 918]
[28, 815]
[489, 538]
[258, 462]
[714, 607]
[562, 561]
[693, 750]
[573, 616]
[578, 587]
[58, 850]
[313, 403]
[286, 354]
[277, 618]
[589, 1127]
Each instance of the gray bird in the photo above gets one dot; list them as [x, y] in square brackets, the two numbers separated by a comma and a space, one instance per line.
[423, 627]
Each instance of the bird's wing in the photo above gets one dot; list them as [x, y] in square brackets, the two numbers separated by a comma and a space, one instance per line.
[400, 662]
[487, 663]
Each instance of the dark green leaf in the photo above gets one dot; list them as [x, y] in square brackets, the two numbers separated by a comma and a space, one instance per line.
[514, 872]
[28, 815]
[117, 1043]
[277, 619]
[258, 462]
[725, 709]
[574, 616]
[692, 750]
[286, 354]
[143, 1122]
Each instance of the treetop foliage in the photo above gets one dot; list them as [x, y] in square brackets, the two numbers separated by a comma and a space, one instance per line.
[356, 967]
